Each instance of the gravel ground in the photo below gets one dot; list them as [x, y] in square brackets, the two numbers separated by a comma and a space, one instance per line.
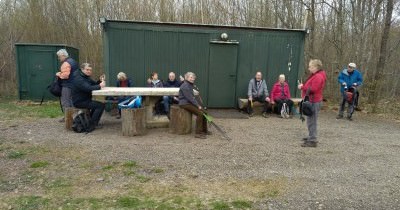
[355, 166]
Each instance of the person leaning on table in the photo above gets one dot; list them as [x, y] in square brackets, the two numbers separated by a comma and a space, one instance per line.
[188, 101]
[82, 89]
[314, 86]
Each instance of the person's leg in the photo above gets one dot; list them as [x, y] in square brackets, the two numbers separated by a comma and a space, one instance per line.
[290, 104]
[199, 117]
[341, 106]
[96, 110]
[66, 98]
[166, 102]
[250, 107]
[312, 122]
[278, 106]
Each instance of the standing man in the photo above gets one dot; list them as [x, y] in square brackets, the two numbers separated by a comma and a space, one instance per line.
[67, 69]
[172, 82]
[258, 91]
[349, 79]
[82, 89]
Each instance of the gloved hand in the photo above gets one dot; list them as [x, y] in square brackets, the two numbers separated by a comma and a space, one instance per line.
[355, 84]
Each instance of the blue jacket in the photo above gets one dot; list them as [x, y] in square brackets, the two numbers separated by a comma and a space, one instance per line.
[74, 67]
[355, 77]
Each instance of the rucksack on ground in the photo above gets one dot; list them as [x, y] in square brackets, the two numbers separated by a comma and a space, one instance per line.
[81, 123]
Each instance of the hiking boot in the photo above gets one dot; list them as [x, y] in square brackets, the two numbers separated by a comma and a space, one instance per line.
[305, 139]
[264, 114]
[200, 136]
[251, 114]
[349, 118]
[309, 144]
[61, 120]
[340, 116]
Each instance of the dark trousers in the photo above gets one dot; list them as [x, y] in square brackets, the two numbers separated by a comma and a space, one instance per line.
[351, 106]
[201, 121]
[261, 100]
[96, 110]
[279, 104]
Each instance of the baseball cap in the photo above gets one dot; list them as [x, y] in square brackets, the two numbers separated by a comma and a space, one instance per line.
[352, 65]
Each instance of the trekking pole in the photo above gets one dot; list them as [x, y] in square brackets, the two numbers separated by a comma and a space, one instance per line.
[219, 129]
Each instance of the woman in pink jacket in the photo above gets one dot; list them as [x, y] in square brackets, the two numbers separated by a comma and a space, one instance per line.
[314, 86]
[280, 94]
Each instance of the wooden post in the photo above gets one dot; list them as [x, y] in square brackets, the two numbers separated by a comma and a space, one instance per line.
[133, 122]
[69, 114]
[180, 120]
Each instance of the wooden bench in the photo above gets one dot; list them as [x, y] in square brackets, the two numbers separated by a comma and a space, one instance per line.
[180, 121]
[69, 114]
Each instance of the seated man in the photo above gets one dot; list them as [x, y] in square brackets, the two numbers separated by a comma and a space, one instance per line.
[258, 91]
[280, 94]
[82, 89]
[172, 82]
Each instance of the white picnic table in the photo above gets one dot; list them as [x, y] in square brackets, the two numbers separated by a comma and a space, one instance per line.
[150, 98]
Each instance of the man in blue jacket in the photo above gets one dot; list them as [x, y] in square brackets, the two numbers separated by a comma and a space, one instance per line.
[82, 89]
[349, 78]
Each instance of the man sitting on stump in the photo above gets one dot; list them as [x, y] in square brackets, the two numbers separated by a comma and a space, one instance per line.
[82, 89]
[258, 91]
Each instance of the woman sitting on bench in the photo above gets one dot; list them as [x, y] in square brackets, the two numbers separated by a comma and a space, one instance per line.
[280, 95]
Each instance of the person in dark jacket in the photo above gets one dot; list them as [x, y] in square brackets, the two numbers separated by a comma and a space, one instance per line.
[172, 82]
[82, 89]
[67, 69]
[258, 91]
[314, 85]
[349, 78]
[188, 101]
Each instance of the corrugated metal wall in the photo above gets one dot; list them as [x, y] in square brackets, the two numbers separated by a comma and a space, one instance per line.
[139, 48]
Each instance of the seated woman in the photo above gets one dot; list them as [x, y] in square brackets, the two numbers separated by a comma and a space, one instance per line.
[188, 101]
[122, 81]
[153, 81]
[280, 94]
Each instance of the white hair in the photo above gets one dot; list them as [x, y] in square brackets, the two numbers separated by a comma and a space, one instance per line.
[282, 76]
[62, 52]
[121, 75]
[188, 74]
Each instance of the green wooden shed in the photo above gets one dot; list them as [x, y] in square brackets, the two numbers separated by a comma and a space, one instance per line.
[37, 65]
[224, 58]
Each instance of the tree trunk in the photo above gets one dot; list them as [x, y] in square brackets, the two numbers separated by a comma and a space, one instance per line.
[380, 66]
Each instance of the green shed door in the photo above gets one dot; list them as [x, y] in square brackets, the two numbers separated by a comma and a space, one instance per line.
[41, 71]
[222, 74]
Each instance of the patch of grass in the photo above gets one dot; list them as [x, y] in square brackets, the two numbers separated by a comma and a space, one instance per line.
[129, 173]
[31, 202]
[142, 178]
[39, 164]
[273, 193]
[11, 110]
[109, 167]
[128, 202]
[130, 164]
[220, 205]
[157, 170]
[241, 204]
[15, 154]
[59, 186]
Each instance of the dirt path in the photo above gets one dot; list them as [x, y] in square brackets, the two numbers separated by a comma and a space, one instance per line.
[355, 166]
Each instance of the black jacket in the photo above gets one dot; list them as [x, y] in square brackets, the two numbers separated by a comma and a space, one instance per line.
[174, 83]
[82, 88]
[186, 95]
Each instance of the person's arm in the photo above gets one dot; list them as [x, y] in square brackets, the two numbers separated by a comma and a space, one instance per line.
[85, 86]
[341, 79]
[65, 71]
[288, 91]
[250, 90]
[188, 94]
[265, 90]
[316, 84]
[272, 92]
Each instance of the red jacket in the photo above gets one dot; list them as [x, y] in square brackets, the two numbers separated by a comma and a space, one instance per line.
[276, 93]
[316, 83]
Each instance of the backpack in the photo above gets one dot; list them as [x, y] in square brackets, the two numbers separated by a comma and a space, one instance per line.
[81, 123]
[285, 111]
[55, 87]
